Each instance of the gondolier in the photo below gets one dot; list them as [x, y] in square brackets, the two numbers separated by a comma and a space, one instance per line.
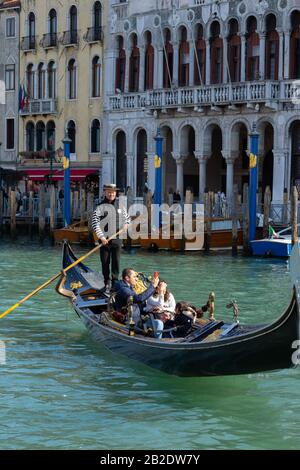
[109, 218]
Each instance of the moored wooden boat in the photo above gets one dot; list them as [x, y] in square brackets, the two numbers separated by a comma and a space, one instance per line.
[75, 233]
[236, 349]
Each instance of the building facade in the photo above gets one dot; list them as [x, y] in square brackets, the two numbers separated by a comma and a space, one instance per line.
[203, 72]
[9, 85]
[61, 77]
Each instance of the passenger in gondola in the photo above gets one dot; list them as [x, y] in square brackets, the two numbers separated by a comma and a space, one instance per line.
[161, 303]
[125, 290]
[184, 319]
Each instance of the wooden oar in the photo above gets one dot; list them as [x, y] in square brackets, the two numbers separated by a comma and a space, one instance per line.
[38, 289]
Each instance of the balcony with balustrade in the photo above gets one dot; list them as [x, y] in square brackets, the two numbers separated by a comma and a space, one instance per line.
[269, 93]
[49, 40]
[70, 38]
[93, 35]
[28, 44]
[42, 107]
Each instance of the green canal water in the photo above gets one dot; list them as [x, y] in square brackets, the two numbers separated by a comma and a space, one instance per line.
[59, 390]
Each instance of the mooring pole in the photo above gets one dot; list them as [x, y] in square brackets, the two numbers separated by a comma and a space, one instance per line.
[254, 136]
[158, 176]
[67, 186]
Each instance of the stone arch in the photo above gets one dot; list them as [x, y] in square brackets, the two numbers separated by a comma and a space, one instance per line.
[140, 158]
[216, 167]
[239, 133]
[245, 20]
[120, 140]
[178, 31]
[228, 21]
[190, 170]
[186, 122]
[267, 133]
[168, 162]
[294, 161]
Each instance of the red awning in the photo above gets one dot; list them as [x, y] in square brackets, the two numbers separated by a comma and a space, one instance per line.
[58, 175]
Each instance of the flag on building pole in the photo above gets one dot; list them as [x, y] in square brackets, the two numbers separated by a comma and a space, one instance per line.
[20, 98]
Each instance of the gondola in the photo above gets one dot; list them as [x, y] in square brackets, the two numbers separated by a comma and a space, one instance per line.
[235, 349]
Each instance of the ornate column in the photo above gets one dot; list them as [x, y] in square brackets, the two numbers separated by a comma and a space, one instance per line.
[151, 171]
[192, 64]
[108, 168]
[262, 55]
[202, 160]
[229, 173]
[207, 65]
[278, 175]
[243, 58]
[130, 171]
[179, 159]
[126, 86]
[110, 59]
[142, 69]
[159, 69]
[175, 63]
[35, 84]
[287, 38]
[46, 84]
[281, 51]
[225, 60]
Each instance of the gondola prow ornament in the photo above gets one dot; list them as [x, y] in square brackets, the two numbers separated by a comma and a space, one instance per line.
[233, 304]
[131, 330]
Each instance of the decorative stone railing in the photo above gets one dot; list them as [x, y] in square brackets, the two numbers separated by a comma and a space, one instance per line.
[47, 106]
[209, 95]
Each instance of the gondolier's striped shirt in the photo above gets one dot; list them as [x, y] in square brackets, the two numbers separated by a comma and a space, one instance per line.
[102, 223]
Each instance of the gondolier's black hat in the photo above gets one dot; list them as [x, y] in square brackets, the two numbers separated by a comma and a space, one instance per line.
[111, 186]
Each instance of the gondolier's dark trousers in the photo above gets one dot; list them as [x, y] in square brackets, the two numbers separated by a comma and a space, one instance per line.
[111, 252]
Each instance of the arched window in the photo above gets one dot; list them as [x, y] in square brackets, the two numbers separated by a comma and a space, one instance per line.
[97, 21]
[30, 137]
[30, 81]
[234, 51]
[96, 77]
[72, 135]
[201, 56]
[121, 169]
[252, 50]
[272, 48]
[149, 62]
[216, 53]
[168, 60]
[95, 136]
[72, 80]
[41, 81]
[52, 28]
[120, 65]
[295, 45]
[51, 136]
[141, 156]
[40, 136]
[184, 58]
[134, 65]
[51, 80]
[73, 25]
[31, 30]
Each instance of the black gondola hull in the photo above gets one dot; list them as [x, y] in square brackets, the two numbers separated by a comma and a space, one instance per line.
[265, 348]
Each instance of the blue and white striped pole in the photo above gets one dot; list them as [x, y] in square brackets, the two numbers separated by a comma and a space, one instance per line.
[158, 175]
[254, 136]
[67, 177]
